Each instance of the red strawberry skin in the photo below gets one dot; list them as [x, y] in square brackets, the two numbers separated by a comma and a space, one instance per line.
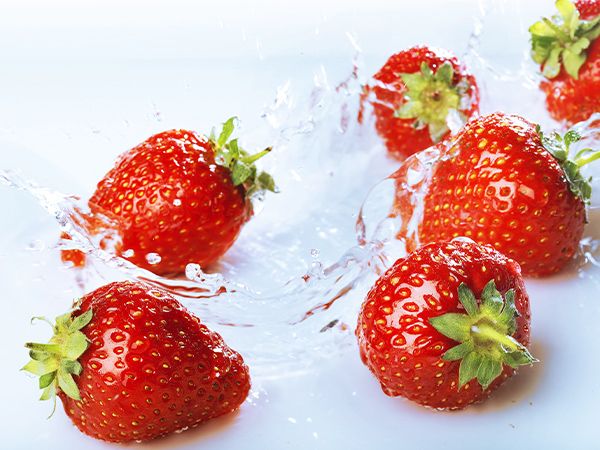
[397, 342]
[588, 9]
[401, 137]
[151, 368]
[573, 100]
[170, 197]
[500, 186]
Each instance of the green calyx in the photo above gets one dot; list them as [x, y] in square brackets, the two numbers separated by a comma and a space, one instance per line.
[241, 163]
[56, 362]
[562, 40]
[484, 335]
[430, 97]
[559, 146]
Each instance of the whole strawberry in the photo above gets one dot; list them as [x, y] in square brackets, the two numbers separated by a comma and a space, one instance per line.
[131, 364]
[502, 182]
[180, 198]
[568, 49]
[446, 325]
[415, 93]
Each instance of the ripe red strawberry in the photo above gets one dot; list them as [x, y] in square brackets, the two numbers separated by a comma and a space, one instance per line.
[446, 325]
[180, 198]
[502, 182]
[131, 364]
[415, 92]
[568, 49]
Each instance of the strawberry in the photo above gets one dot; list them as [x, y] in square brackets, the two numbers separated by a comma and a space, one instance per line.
[180, 198]
[446, 325]
[415, 93]
[131, 364]
[504, 183]
[76, 258]
[568, 49]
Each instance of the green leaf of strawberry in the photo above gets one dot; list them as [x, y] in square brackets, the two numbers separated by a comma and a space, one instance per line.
[241, 164]
[562, 40]
[484, 335]
[56, 362]
[559, 146]
[430, 97]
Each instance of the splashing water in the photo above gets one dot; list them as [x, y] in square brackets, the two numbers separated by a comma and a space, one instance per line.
[282, 296]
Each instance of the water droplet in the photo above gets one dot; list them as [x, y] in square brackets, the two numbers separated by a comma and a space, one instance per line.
[192, 271]
[176, 202]
[128, 253]
[153, 258]
[36, 245]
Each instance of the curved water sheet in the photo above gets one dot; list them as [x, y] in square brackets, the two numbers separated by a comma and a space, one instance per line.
[277, 295]
[288, 292]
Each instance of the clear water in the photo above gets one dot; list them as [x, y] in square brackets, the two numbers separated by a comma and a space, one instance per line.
[288, 292]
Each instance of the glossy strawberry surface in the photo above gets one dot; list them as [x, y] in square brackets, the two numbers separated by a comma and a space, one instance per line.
[498, 185]
[401, 136]
[170, 198]
[151, 368]
[398, 343]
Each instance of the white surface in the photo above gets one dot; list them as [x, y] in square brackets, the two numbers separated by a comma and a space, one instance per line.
[83, 81]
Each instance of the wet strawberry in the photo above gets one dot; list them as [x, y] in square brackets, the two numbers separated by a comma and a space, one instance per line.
[180, 198]
[131, 364]
[74, 257]
[446, 325]
[415, 93]
[568, 49]
[502, 182]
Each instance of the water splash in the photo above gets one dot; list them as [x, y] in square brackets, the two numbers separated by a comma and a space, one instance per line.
[312, 311]
[307, 308]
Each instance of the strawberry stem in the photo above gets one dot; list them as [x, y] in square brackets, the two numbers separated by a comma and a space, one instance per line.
[56, 362]
[583, 161]
[240, 163]
[430, 97]
[488, 333]
[484, 335]
[252, 158]
[563, 40]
